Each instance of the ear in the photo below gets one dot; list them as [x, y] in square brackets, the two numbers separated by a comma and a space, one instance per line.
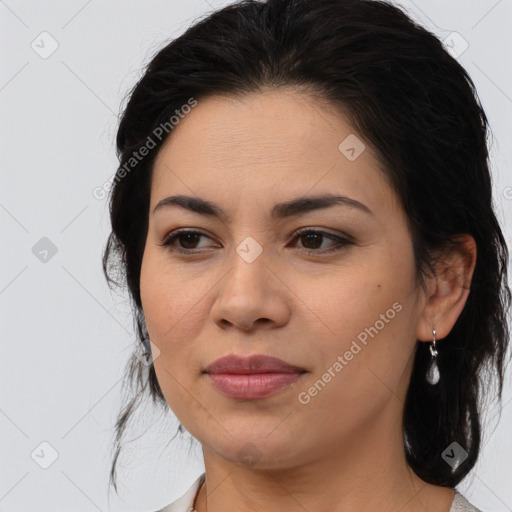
[448, 290]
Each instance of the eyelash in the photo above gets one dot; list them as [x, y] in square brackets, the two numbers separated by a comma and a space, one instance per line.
[343, 242]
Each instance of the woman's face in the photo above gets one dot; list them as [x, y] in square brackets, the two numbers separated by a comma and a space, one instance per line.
[249, 284]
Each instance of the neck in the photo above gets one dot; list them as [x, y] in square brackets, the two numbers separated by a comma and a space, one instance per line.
[366, 472]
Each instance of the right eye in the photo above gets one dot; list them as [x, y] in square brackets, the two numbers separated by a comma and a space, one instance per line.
[186, 238]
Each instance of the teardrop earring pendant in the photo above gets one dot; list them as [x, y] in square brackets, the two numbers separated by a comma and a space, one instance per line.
[433, 370]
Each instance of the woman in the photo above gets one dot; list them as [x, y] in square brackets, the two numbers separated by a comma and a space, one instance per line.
[303, 216]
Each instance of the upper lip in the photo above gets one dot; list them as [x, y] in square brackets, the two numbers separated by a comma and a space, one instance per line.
[258, 363]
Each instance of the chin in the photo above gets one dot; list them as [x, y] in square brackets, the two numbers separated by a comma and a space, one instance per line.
[264, 448]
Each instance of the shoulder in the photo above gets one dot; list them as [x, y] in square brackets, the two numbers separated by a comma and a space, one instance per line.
[461, 504]
[185, 502]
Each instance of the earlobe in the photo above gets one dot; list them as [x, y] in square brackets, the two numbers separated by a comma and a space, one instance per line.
[449, 291]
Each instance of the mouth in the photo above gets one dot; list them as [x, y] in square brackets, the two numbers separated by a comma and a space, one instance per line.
[253, 377]
[258, 363]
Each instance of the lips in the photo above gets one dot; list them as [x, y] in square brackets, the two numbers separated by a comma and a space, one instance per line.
[252, 378]
[255, 364]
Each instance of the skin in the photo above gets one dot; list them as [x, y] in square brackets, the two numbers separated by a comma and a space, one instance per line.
[342, 451]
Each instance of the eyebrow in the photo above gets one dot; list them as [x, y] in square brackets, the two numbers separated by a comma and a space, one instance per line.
[293, 207]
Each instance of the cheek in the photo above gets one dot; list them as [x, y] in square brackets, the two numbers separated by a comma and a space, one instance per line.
[361, 365]
[171, 303]
[348, 299]
[175, 308]
[366, 317]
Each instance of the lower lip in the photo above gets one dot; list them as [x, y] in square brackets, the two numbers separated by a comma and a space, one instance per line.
[252, 386]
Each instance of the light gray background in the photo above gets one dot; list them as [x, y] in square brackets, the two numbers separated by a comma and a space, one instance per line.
[65, 336]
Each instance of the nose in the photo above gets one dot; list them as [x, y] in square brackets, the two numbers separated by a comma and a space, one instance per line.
[251, 296]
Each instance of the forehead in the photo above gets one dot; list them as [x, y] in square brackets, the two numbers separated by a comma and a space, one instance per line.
[266, 145]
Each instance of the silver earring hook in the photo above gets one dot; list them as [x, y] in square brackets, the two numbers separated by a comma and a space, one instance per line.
[433, 349]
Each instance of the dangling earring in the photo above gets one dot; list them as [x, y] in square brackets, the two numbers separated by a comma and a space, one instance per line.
[433, 370]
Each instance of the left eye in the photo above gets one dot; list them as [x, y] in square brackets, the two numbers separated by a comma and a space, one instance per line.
[188, 240]
[316, 237]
